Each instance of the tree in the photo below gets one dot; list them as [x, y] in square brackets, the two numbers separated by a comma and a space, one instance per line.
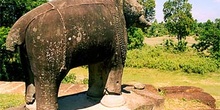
[178, 17]
[195, 27]
[149, 9]
[156, 30]
[11, 10]
[209, 37]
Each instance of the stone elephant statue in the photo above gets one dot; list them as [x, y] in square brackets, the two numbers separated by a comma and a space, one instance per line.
[63, 34]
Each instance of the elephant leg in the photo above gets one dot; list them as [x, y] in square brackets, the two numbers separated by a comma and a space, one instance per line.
[113, 84]
[97, 79]
[47, 85]
[46, 92]
[113, 96]
[29, 77]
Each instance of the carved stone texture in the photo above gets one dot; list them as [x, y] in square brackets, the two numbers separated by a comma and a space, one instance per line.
[139, 86]
[152, 99]
[63, 34]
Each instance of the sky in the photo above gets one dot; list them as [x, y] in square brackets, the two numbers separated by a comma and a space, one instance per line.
[202, 10]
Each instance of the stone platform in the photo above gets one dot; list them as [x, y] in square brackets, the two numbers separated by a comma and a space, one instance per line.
[73, 97]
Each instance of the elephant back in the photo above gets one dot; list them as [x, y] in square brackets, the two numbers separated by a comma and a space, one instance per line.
[17, 33]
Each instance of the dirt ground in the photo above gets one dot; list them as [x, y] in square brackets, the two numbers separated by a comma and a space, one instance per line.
[158, 40]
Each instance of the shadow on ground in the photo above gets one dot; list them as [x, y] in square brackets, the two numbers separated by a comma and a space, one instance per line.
[77, 101]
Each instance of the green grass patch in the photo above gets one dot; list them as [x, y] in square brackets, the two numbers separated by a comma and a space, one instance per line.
[10, 100]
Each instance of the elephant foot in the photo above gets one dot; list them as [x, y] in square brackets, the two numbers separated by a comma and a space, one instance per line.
[113, 101]
[30, 106]
[30, 94]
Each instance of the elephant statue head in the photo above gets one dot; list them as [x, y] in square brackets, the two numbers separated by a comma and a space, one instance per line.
[135, 14]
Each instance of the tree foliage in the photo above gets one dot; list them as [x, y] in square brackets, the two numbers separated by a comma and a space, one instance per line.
[10, 67]
[209, 37]
[178, 18]
[11, 10]
[149, 9]
[156, 30]
[135, 38]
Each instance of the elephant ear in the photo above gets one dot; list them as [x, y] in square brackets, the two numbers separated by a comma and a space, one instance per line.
[16, 35]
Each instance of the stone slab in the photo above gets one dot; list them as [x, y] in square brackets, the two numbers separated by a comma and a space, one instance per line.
[189, 93]
[81, 101]
[12, 87]
[134, 101]
[74, 97]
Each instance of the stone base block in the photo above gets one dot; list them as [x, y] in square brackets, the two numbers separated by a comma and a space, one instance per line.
[135, 99]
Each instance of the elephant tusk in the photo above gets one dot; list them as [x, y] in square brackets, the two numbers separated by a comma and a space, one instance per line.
[144, 21]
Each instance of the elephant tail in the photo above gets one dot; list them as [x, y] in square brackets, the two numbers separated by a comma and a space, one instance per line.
[16, 35]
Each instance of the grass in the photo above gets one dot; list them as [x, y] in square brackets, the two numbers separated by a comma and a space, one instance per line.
[182, 104]
[10, 100]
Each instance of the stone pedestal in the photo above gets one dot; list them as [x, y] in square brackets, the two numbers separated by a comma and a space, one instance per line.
[146, 98]
[135, 99]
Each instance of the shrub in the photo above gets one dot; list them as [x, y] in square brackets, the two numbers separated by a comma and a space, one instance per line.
[160, 58]
[10, 11]
[10, 67]
[209, 38]
[199, 65]
[171, 46]
[181, 46]
[135, 38]
[71, 78]
[85, 81]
